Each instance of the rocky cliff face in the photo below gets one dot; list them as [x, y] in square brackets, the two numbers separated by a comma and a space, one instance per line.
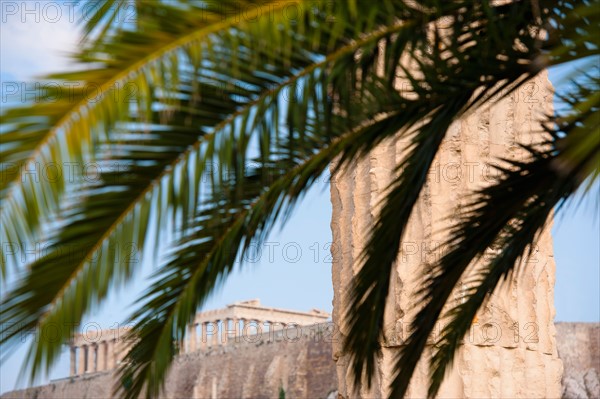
[579, 348]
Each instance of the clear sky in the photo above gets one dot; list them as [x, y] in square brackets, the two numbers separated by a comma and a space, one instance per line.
[293, 270]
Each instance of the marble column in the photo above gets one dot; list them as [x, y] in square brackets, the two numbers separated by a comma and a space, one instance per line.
[101, 356]
[82, 359]
[73, 359]
[92, 358]
[260, 326]
[240, 326]
[235, 327]
[191, 338]
[106, 365]
[229, 330]
[111, 358]
[215, 337]
[204, 337]
[511, 350]
[224, 331]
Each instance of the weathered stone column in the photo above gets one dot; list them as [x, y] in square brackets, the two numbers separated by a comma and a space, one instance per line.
[92, 358]
[204, 337]
[106, 364]
[111, 355]
[236, 328]
[82, 359]
[215, 337]
[230, 332]
[191, 338]
[73, 359]
[101, 356]
[259, 326]
[224, 331]
[511, 350]
[244, 327]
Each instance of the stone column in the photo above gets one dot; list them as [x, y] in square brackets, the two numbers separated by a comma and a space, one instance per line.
[235, 324]
[229, 332]
[215, 337]
[191, 338]
[111, 359]
[73, 350]
[82, 359]
[511, 350]
[101, 356]
[224, 331]
[204, 336]
[258, 325]
[106, 364]
[92, 358]
[244, 325]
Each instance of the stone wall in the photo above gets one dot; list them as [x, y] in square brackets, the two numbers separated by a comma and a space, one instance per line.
[297, 360]
[579, 348]
[303, 368]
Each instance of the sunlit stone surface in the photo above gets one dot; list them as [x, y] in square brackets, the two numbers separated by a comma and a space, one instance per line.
[511, 350]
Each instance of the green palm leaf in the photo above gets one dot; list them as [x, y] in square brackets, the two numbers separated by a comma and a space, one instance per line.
[508, 215]
[439, 96]
[160, 160]
[534, 189]
[66, 128]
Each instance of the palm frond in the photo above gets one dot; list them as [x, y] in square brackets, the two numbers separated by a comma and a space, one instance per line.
[121, 72]
[439, 96]
[508, 215]
[224, 229]
[533, 188]
[161, 156]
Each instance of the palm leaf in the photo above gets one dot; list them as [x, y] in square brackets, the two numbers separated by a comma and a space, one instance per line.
[439, 95]
[160, 160]
[224, 229]
[508, 215]
[534, 188]
[66, 128]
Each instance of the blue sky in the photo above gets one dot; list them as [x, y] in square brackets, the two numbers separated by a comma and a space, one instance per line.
[293, 269]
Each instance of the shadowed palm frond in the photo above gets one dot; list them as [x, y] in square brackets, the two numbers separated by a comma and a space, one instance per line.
[226, 226]
[223, 105]
[439, 95]
[508, 216]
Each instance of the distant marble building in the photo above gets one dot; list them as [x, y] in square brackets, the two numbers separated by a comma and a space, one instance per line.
[98, 351]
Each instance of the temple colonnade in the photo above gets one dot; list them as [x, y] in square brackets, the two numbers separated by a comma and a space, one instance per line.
[104, 350]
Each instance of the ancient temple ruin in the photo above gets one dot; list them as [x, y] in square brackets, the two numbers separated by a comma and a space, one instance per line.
[511, 349]
[99, 351]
